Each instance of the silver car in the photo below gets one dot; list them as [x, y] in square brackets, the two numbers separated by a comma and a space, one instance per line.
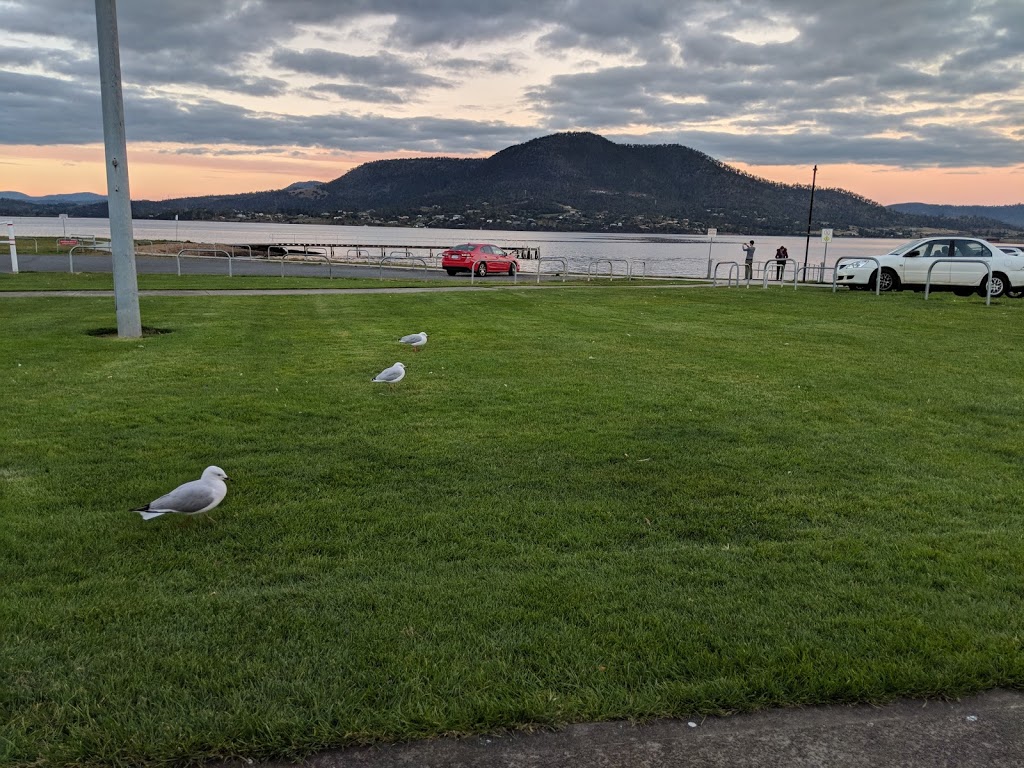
[943, 259]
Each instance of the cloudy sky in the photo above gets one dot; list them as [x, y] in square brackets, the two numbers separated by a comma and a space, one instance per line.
[898, 100]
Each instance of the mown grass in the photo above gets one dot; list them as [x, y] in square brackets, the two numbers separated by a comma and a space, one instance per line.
[578, 505]
[94, 281]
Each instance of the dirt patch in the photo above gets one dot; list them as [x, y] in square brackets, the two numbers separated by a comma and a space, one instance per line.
[111, 333]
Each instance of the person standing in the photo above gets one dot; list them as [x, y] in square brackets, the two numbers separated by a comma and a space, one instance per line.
[749, 251]
[780, 261]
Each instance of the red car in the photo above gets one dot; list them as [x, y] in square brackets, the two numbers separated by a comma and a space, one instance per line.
[482, 257]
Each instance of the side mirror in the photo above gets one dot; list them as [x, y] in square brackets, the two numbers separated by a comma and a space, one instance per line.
[913, 253]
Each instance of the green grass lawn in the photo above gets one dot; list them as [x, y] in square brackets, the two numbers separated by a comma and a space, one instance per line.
[94, 281]
[578, 505]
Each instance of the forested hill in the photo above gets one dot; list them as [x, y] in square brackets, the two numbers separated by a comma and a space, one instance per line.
[566, 181]
[1011, 214]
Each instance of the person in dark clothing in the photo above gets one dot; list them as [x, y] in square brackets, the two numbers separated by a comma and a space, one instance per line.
[780, 261]
[749, 261]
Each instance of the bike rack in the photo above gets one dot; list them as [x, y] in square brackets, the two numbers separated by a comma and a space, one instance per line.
[611, 267]
[197, 253]
[985, 262]
[643, 274]
[878, 271]
[732, 265]
[103, 247]
[359, 253]
[774, 265]
[398, 255]
[563, 262]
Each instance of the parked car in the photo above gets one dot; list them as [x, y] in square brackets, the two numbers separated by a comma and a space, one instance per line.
[1017, 291]
[907, 267]
[484, 258]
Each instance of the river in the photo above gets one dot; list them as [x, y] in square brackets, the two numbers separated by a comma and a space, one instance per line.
[658, 255]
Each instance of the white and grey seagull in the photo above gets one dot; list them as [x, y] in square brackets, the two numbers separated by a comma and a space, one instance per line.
[391, 375]
[415, 340]
[192, 498]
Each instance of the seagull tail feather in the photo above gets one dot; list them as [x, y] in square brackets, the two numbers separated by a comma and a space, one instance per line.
[146, 514]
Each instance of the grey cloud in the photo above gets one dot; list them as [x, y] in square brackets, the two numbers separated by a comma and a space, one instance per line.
[363, 93]
[384, 69]
[848, 75]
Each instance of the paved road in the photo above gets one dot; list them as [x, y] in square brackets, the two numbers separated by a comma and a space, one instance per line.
[985, 731]
[167, 265]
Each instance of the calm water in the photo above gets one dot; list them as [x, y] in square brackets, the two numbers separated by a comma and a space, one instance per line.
[662, 254]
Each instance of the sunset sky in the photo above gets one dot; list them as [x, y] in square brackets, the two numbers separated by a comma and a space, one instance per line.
[897, 100]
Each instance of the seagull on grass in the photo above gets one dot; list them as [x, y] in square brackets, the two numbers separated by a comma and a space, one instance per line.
[391, 375]
[416, 340]
[192, 498]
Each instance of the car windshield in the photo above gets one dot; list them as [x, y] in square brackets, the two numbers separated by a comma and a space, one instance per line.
[905, 248]
[463, 247]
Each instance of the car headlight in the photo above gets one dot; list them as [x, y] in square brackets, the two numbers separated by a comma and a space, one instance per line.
[854, 264]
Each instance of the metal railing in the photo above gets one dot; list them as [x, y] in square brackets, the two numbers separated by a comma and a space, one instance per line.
[105, 247]
[197, 253]
[563, 262]
[878, 271]
[733, 265]
[774, 264]
[399, 255]
[473, 268]
[611, 267]
[643, 273]
[984, 262]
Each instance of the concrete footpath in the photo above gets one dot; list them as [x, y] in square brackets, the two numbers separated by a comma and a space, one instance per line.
[984, 730]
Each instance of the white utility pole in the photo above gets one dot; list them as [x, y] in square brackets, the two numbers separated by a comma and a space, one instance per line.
[119, 201]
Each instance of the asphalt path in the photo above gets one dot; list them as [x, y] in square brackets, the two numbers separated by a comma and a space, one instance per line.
[984, 731]
[168, 265]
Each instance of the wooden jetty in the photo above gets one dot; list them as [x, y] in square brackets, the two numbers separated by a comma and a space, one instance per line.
[372, 252]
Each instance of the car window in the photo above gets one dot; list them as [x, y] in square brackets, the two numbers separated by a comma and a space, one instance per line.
[970, 249]
[905, 248]
[938, 249]
[463, 247]
[489, 249]
[498, 251]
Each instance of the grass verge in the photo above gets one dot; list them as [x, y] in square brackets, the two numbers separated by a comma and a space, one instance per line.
[578, 505]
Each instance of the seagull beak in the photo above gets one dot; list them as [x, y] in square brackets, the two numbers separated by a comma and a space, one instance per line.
[226, 477]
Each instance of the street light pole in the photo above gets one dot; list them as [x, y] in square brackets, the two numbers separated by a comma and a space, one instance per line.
[119, 201]
[810, 215]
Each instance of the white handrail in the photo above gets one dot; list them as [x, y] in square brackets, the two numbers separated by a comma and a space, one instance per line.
[714, 274]
[985, 262]
[776, 262]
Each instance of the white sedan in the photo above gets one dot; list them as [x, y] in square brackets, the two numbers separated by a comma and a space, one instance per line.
[907, 267]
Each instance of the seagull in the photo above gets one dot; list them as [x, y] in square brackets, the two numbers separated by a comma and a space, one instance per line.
[200, 495]
[417, 340]
[391, 375]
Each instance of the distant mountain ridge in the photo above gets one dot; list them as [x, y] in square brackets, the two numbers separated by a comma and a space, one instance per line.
[74, 198]
[1011, 214]
[574, 181]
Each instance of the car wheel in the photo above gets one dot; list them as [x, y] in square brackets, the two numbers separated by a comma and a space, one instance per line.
[889, 281]
[512, 269]
[481, 269]
[451, 272]
[999, 283]
[1015, 293]
[961, 291]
